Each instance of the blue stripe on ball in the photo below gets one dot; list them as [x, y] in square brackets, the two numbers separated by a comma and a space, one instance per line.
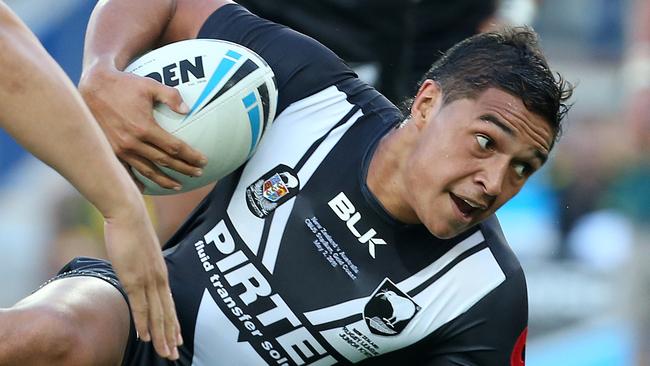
[250, 101]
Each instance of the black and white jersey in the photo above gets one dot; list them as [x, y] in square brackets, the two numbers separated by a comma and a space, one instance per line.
[291, 260]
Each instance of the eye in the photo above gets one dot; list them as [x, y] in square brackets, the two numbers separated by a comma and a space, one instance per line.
[522, 170]
[484, 141]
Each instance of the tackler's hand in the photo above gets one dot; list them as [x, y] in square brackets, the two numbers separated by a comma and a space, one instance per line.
[135, 253]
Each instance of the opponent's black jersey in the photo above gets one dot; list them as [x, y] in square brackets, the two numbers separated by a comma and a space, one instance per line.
[291, 260]
[402, 38]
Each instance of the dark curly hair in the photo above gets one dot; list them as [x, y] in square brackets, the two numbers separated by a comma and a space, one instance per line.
[509, 59]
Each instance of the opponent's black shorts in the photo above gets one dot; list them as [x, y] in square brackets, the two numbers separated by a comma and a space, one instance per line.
[137, 352]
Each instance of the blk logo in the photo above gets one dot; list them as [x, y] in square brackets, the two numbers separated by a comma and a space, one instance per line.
[344, 209]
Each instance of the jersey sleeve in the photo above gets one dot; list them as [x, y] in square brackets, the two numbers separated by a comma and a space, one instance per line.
[491, 333]
[302, 66]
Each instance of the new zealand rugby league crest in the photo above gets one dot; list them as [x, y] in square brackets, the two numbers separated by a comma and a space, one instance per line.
[271, 190]
[389, 310]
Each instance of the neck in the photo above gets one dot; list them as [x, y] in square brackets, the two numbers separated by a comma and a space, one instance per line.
[386, 173]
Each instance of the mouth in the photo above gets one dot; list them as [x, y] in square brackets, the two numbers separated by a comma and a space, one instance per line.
[466, 207]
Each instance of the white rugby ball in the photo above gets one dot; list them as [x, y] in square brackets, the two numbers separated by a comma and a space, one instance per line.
[232, 95]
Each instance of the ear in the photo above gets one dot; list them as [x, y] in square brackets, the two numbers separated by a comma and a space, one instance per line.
[428, 100]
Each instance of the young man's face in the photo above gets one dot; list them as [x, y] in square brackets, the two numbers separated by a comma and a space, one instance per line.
[471, 157]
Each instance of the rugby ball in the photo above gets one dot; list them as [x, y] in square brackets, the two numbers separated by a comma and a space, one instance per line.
[232, 95]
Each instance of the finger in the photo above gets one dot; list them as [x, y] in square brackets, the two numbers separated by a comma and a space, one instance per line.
[164, 140]
[168, 95]
[157, 323]
[179, 335]
[152, 172]
[171, 320]
[161, 158]
[175, 147]
[139, 310]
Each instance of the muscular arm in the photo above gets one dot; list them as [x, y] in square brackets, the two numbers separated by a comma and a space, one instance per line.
[120, 30]
[41, 109]
[189, 17]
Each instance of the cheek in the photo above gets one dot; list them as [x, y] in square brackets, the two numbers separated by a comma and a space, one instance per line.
[440, 171]
[422, 180]
[510, 191]
[424, 166]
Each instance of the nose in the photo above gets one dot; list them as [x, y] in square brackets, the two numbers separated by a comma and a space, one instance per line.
[493, 176]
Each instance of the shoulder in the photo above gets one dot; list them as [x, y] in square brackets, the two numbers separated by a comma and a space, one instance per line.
[499, 318]
[274, 41]
[496, 241]
[302, 66]
[488, 307]
[513, 290]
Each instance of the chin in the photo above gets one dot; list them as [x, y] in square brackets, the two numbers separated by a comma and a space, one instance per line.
[443, 237]
[445, 232]
[448, 230]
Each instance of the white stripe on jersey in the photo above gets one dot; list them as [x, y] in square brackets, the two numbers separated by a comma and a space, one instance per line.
[212, 323]
[276, 232]
[463, 286]
[349, 308]
[304, 174]
[295, 130]
[337, 312]
[451, 295]
[435, 267]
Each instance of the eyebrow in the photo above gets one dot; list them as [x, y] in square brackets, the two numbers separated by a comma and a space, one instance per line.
[497, 122]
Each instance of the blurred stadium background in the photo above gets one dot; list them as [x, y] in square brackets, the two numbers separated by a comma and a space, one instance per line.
[581, 227]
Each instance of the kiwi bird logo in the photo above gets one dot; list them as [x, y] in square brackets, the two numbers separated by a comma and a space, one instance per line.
[403, 308]
[389, 310]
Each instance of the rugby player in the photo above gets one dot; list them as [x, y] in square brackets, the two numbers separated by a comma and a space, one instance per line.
[354, 234]
[42, 110]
